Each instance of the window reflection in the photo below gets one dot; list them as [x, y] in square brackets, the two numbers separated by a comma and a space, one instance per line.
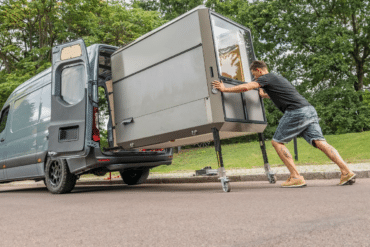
[233, 48]
[231, 63]
[73, 84]
[26, 111]
[46, 102]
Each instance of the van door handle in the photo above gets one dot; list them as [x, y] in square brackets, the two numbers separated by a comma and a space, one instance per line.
[2, 139]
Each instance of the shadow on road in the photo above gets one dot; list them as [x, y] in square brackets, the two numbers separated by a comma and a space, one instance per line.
[168, 188]
[19, 189]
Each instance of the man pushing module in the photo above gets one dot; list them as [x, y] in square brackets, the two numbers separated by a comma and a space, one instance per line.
[299, 119]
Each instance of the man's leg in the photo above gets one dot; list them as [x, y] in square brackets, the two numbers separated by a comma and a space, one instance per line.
[333, 154]
[286, 157]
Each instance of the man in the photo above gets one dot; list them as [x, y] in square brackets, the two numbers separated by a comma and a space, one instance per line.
[300, 118]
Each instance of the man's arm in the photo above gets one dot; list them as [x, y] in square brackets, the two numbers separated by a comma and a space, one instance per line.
[237, 89]
[263, 94]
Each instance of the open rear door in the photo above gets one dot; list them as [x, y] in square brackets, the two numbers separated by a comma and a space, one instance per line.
[68, 97]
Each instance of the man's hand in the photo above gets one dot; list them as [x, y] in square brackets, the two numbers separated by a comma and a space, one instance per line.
[219, 86]
[263, 94]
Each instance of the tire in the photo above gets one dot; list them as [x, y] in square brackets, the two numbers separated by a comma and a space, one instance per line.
[58, 179]
[132, 177]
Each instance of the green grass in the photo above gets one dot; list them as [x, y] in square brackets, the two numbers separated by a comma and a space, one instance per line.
[353, 147]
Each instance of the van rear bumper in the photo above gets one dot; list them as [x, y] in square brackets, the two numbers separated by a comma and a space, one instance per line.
[108, 158]
[121, 160]
[119, 167]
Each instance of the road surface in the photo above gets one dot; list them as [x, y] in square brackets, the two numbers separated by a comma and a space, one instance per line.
[252, 214]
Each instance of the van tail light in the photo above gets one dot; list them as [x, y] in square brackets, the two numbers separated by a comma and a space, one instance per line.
[151, 150]
[95, 127]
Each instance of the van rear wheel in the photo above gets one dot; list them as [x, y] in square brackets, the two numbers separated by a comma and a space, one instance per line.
[132, 177]
[58, 178]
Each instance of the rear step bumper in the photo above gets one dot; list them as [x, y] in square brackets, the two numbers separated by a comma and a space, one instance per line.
[133, 159]
[120, 160]
[118, 167]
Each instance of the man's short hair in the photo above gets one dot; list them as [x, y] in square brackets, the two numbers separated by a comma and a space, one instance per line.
[257, 64]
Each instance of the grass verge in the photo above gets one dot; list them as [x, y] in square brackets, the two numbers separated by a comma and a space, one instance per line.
[353, 147]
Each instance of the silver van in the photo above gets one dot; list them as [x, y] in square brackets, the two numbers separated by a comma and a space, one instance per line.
[49, 125]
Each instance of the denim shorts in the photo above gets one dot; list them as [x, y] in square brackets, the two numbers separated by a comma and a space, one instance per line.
[302, 122]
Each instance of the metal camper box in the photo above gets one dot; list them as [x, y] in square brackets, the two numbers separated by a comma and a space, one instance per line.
[49, 128]
[163, 96]
[162, 83]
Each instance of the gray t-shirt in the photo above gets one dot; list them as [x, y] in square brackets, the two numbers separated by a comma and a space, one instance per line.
[282, 92]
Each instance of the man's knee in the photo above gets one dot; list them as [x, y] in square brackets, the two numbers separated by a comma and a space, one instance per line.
[274, 143]
[318, 144]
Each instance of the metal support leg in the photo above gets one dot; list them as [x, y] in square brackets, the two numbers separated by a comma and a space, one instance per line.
[295, 148]
[221, 169]
[270, 175]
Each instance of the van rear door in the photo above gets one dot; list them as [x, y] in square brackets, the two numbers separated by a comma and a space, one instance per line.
[69, 81]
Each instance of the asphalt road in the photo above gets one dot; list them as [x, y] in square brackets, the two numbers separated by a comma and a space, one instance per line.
[252, 214]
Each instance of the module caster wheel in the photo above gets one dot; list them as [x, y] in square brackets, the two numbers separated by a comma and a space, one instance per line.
[225, 185]
[272, 178]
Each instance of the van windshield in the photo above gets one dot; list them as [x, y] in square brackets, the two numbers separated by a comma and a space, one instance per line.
[234, 49]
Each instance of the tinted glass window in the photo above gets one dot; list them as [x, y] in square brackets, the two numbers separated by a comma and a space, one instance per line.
[104, 65]
[234, 49]
[3, 120]
[45, 102]
[26, 111]
[73, 84]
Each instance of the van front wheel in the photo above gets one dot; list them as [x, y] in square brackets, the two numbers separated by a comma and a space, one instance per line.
[58, 179]
[132, 177]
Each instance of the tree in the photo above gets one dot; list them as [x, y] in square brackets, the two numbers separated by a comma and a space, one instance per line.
[29, 29]
[169, 9]
[322, 47]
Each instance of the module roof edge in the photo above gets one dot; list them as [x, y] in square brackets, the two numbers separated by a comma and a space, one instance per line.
[159, 28]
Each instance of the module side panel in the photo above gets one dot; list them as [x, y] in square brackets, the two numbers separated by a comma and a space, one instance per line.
[183, 117]
[171, 40]
[250, 128]
[172, 83]
[196, 139]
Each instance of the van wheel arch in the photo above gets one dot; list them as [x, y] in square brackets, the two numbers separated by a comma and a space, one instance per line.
[58, 178]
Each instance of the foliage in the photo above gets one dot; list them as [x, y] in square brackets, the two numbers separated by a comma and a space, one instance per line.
[353, 148]
[322, 47]
[169, 9]
[29, 29]
[103, 139]
[341, 111]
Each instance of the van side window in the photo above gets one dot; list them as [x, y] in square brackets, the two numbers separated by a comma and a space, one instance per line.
[73, 80]
[4, 118]
[45, 105]
[26, 111]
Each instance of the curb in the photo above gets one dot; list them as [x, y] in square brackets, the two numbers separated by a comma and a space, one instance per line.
[232, 178]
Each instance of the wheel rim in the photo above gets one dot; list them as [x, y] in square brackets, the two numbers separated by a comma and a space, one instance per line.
[55, 173]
